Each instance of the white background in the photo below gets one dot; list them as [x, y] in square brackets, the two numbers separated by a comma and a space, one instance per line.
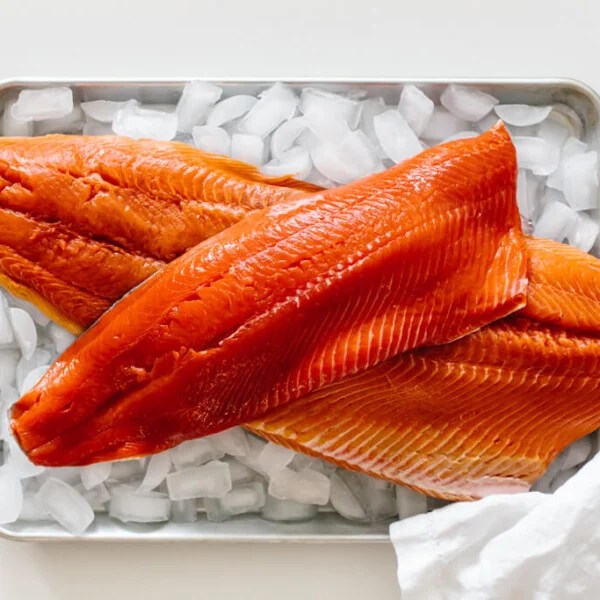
[267, 38]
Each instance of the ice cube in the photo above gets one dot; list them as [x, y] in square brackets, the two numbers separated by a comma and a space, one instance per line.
[442, 125]
[522, 115]
[126, 470]
[354, 158]
[577, 453]
[247, 498]
[544, 482]
[37, 315]
[19, 463]
[8, 364]
[467, 103]
[379, 498]
[295, 162]
[12, 127]
[570, 148]
[580, 180]
[11, 496]
[136, 122]
[130, 505]
[416, 108]
[562, 477]
[302, 461]
[487, 122]
[325, 126]
[248, 148]
[184, 511]
[104, 111]
[273, 458]
[361, 498]
[71, 123]
[47, 103]
[461, 135]
[70, 475]
[570, 117]
[159, 106]
[94, 475]
[61, 337]
[39, 358]
[24, 330]
[240, 473]
[307, 486]
[285, 135]
[97, 497]
[522, 198]
[197, 98]
[6, 331]
[536, 154]
[32, 378]
[370, 109]
[322, 466]
[409, 503]
[555, 129]
[8, 396]
[211, 139]
[230, 109]
[338, 108]
[32, 510]
[255, 446]
[157, 470]
[211, 480]
[583, 232]
[554, 222]
[65, 505]
[397, 139]
[233, 441]
[276, 104]
[92, 127]
[194, 452]
[319, 179]
[287, 511]
[345, 502]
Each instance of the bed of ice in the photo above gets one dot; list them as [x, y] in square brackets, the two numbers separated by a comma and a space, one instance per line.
[329, 139]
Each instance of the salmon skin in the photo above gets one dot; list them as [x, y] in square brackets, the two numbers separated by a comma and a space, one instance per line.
[483, 415]
[113, 210]
[293, 298]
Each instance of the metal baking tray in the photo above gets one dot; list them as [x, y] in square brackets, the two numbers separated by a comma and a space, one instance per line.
[327, 526]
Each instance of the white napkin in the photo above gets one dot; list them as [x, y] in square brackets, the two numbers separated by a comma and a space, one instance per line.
[530, 546]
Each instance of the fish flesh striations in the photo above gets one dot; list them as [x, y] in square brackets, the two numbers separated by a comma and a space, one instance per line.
[85, 219]
[485, 414]
[293, 298]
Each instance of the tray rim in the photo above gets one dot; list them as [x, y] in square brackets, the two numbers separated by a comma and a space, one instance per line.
[568, 83]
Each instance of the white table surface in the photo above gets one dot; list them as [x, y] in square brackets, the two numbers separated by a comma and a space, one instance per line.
[270, 38]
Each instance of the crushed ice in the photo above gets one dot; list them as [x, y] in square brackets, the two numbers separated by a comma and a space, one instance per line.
[329, 139]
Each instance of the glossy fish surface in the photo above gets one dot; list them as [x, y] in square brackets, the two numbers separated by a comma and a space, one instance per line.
[482, 415]
[293, 298]
[85, 219]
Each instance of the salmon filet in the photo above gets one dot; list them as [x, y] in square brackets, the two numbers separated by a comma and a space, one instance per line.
[113, 210]
[482, 415]
[293, 298]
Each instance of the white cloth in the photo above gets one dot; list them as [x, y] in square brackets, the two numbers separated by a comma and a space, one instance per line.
[529, 546]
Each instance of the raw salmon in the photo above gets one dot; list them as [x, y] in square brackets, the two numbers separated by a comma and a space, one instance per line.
[482, 415]
[564, 286]
[113, 210]
[287, 301]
